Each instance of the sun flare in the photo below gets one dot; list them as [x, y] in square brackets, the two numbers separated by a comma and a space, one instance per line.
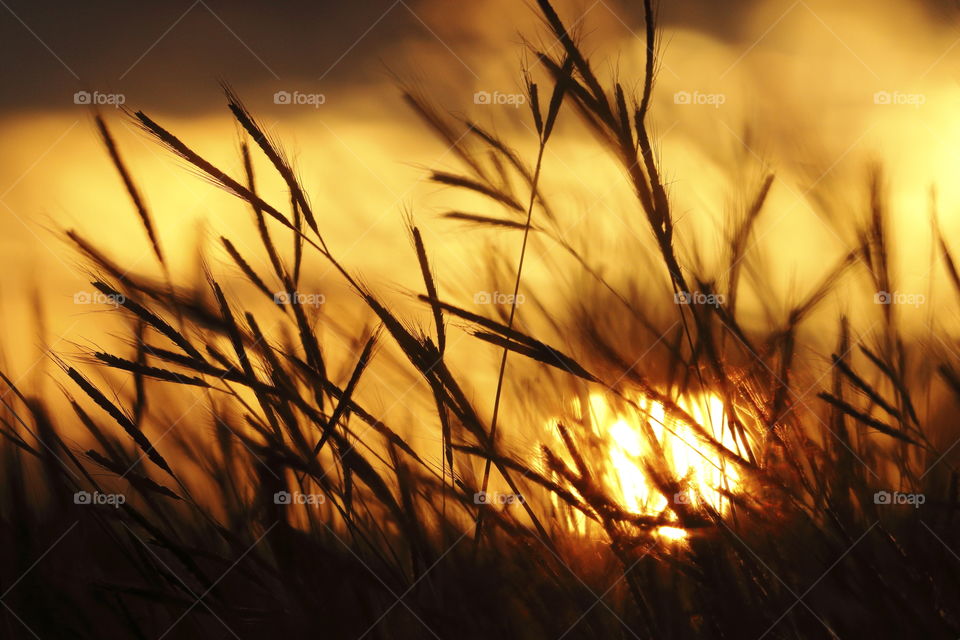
[624, 443]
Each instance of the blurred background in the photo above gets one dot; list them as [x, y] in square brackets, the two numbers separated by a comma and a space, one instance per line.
[814, 91]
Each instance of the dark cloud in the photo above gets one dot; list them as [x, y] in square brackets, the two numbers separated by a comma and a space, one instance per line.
[170, 55]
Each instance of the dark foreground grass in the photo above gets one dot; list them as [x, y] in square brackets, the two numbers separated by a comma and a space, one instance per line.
[205, 543]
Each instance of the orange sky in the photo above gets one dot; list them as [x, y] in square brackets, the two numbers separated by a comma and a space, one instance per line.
[810, 90]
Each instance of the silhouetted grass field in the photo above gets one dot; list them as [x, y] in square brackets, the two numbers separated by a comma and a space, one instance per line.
[705, 472]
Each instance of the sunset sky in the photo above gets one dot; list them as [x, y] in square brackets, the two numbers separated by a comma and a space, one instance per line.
[478, 319]
[799, 83]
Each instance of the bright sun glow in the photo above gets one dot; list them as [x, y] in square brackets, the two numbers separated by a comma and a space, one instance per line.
[622, 441]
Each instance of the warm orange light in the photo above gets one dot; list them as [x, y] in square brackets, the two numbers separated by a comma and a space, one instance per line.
[672, 533]
[626, 440]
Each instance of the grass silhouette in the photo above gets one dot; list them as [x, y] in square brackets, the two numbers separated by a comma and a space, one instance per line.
[284, 506]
